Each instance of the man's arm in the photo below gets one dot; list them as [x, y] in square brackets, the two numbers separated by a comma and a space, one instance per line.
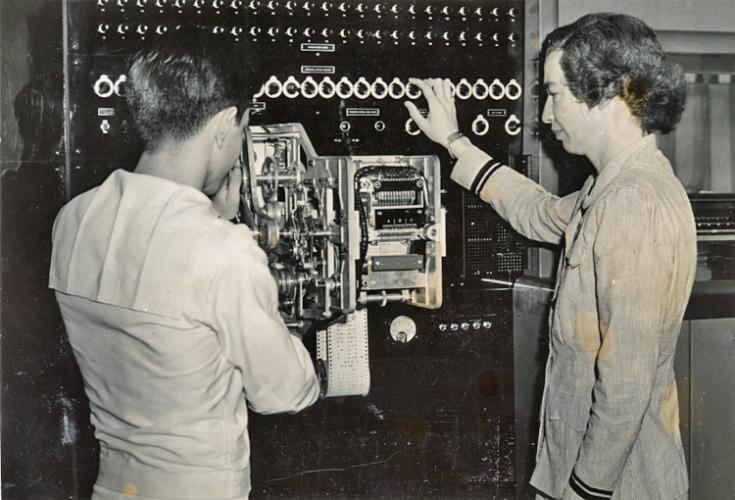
[277, 371]
[633, 260]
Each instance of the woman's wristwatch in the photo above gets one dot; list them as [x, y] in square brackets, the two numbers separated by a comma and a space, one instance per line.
[451, 139]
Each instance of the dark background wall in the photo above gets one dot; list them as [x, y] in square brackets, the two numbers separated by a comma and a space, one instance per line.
[45, 430]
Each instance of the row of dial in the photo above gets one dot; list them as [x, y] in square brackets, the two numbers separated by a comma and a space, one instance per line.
[379, 88]
[308, 7]
[343, 88]
[324, 34]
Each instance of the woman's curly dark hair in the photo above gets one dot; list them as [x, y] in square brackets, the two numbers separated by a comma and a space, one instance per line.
[606, 55]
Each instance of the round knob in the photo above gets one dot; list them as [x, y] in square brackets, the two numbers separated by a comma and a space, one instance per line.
[480, 125]
[327, 88]
[513, 90]
[464, 89]
[362, 88]
[402, 329]
[497, 89]
[379, 88]
[480, 89]
[396, 89]
[411, 127]
[513, 125]
[273, 87]
[309, 88]
[345, 89]
[291, 87]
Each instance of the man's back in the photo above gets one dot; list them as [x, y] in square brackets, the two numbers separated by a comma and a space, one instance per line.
[172, 315]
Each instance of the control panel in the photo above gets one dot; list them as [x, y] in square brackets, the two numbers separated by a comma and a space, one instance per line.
[341, 69]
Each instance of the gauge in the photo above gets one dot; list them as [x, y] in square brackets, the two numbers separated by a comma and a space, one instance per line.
[402, 329]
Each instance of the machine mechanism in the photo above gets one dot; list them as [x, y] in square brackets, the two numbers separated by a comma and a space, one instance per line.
[343, 232]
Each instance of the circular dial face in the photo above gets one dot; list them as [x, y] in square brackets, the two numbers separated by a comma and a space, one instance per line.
[402, 329]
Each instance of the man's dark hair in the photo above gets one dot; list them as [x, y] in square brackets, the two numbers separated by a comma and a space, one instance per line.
[606, 55]
[180, 81]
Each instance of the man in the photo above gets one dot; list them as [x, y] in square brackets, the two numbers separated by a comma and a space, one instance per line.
[609, 424]
[169, 307]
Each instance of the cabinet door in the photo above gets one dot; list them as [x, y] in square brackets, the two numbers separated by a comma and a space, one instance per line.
[712, 408]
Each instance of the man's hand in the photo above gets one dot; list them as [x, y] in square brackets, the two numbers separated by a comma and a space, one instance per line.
[442, 119]
[227, 199]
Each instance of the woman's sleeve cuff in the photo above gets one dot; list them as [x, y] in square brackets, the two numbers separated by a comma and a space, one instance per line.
[470, 161]
[586, 491]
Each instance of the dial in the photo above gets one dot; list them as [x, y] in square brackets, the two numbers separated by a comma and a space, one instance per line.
[402, 329]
